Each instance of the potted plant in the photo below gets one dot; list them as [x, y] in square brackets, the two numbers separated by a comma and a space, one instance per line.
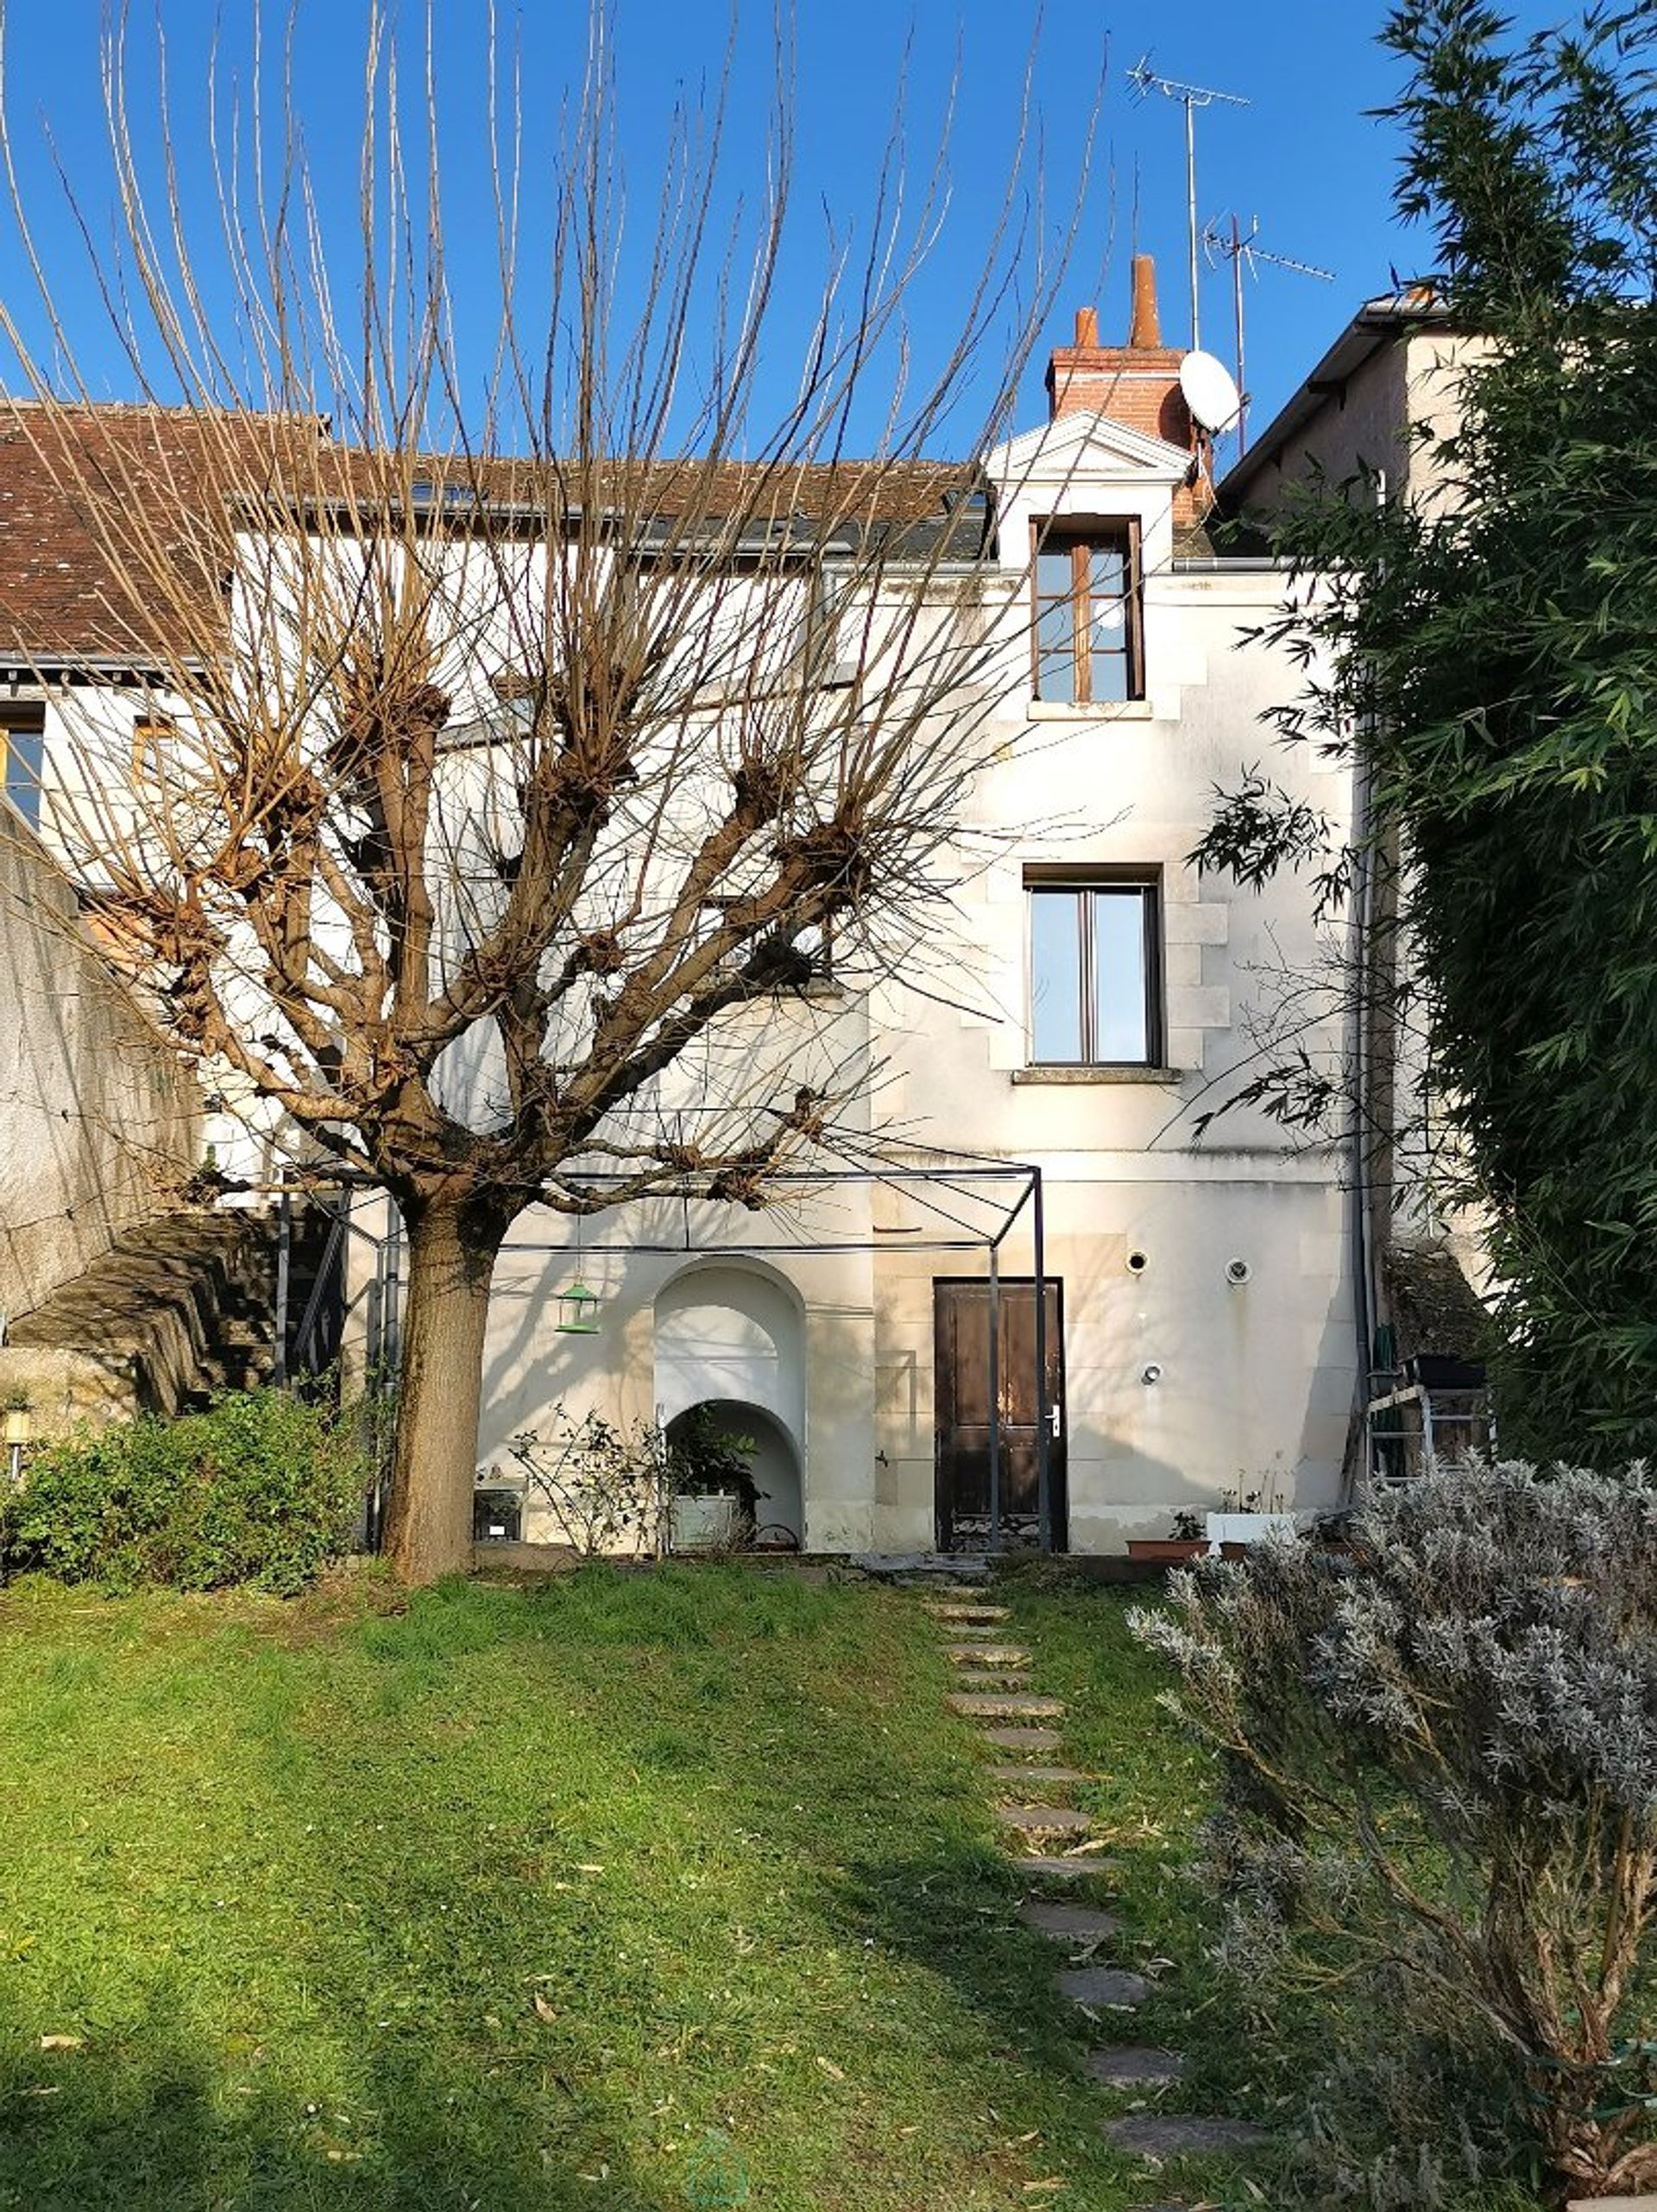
[1184, 1540]
[1244, 1521]
[713, 1496]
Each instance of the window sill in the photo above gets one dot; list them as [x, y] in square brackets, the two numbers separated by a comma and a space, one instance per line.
[1059, 710]
[1101, 1074]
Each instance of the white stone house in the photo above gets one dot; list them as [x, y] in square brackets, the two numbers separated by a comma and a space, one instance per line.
[1086, 997]
[1094, 998]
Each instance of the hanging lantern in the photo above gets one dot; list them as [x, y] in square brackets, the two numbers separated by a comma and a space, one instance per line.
[577, 1310]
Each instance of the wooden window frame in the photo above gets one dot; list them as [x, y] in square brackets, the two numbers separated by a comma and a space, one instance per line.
[23, 718]
[1148, 883]
[1084, 535]
[150, 733]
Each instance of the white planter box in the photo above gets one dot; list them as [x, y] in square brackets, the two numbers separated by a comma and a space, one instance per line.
[1244, 1527]
[701, 1524]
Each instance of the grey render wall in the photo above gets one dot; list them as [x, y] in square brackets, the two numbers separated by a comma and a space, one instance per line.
[99, 1119]
[1371, 420]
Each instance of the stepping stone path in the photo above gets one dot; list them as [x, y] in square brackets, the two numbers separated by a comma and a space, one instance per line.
[1101, 1985]
[1070, 1924]
[1134, 2066]
[1022, 1739]
[1037, 1866]
[1045, 1819]
[1008, 1706]
[991, 1687]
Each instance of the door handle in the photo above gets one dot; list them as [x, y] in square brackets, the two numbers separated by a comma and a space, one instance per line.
[1055, 1414]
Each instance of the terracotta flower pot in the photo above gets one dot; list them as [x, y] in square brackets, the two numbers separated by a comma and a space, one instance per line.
[1167, 1547]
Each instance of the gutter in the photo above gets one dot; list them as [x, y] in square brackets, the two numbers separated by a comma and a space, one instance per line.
[1376, 324]
[21, 669]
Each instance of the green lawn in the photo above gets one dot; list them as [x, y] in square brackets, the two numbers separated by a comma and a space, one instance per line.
[541, 1898]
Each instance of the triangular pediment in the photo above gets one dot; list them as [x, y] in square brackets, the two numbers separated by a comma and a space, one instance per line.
[1083, 443]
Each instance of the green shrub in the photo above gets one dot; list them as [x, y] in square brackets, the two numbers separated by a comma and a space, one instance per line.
[261, 1489]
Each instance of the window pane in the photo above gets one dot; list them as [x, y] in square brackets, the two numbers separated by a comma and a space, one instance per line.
[1056, 655]
[1056, 976]
[1054, 573]
[23, 752]
[1109, 676]
[1122, 1031]
[1105, 570]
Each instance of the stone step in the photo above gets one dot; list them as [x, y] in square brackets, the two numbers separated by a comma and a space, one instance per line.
[144, 1325]
[1044, 1819]
[984, 1633]
[1021, 1739]
[986, 1654]
[992, 1678]
[1043, 1866]
[947, 1609]
[1101, 1985]
[1134, 2066]
[1070, 1924]
[1174, 2135]
[978, 1705]
[1056, 1777]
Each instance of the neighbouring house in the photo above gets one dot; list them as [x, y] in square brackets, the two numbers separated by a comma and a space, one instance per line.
[1040, 1065]
[1370, 415]
[119, 1288]
[1369, 423]
[99, 1118]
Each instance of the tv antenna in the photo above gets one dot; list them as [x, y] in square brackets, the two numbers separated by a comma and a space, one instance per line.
[1145, 81]
[1238, 246]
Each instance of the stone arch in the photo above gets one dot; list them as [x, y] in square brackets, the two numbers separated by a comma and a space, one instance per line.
[732, 1332]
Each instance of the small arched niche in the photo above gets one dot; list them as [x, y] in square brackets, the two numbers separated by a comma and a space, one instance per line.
[729, 1333]
[775, 1464]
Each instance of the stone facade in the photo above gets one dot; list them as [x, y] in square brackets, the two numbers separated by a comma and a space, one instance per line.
[99, 1118]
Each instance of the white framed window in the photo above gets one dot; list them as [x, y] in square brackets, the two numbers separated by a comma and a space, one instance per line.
[1087, 635]
[1094, 962]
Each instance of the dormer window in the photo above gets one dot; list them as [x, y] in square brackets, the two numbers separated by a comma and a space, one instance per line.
[1087, 643]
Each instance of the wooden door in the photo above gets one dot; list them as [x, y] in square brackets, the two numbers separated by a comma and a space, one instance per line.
[961, 1384]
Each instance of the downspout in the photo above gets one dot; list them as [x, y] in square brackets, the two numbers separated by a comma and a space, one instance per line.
[1362, 1243]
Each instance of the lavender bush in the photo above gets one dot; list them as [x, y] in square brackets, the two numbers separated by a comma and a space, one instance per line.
[1440, 1763]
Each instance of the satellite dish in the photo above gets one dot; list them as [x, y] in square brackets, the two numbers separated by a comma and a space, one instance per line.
[1210, 393]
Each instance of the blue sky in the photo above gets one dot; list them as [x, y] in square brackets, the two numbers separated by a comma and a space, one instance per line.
[1304, 157]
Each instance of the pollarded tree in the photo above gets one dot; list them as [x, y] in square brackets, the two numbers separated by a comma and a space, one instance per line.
[525, 734]
[1492, 663]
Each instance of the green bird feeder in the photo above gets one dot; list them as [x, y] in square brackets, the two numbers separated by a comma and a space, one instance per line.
[577, 1310]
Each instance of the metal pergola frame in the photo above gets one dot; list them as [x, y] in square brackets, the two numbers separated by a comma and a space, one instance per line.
[916, 1171]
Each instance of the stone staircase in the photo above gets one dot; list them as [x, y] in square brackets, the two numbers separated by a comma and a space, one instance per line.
[1053, 1850]
[176, 1309]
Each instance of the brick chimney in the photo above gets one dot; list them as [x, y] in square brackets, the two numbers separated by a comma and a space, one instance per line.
[1136, 384]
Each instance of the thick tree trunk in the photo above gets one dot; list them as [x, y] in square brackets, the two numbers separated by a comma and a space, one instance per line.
[451, 1259]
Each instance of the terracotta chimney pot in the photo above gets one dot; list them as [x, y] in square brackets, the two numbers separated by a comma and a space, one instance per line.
[1137, 385]
[1146, 330]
